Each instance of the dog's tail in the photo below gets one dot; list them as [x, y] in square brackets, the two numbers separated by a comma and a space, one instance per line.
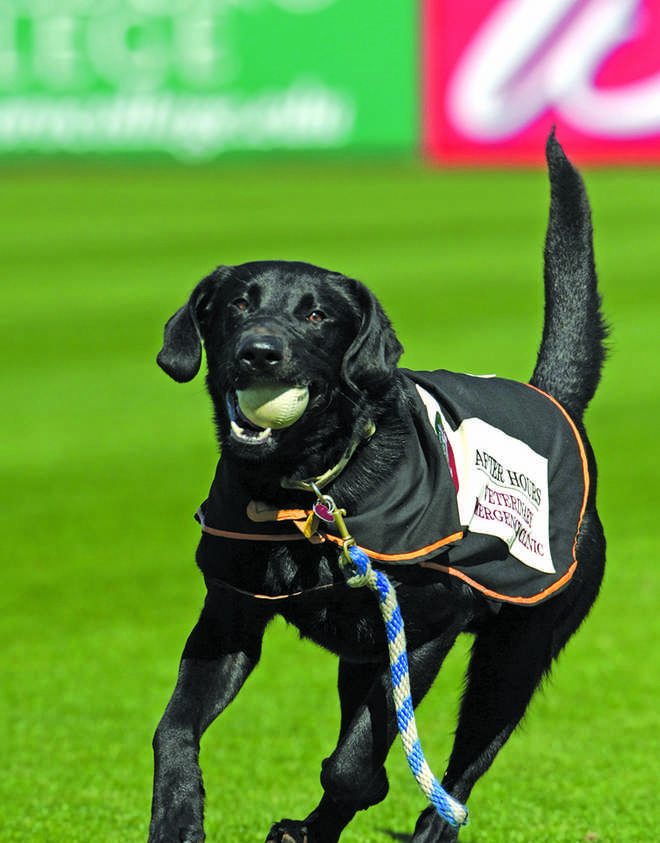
[572, 349]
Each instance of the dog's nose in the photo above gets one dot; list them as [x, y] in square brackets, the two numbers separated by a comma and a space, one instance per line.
[260, 353]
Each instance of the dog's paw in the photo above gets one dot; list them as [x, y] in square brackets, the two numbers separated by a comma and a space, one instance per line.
[288, 831]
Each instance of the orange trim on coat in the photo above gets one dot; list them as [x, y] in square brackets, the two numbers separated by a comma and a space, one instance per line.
[317, 538]
[521, 601]
[413, 554]
[255, 537]
[583, 453]
[260, 512]
[585, 472]
[299, 517]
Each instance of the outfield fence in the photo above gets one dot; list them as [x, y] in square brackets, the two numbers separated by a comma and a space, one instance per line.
[462, 81]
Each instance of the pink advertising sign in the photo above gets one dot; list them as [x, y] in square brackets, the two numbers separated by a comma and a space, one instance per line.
[499, 73]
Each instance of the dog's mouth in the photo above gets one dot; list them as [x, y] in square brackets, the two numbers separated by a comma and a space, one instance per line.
[242, 429]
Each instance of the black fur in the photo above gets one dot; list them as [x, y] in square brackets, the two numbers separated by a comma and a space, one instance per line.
[296, 323]
[572, 349]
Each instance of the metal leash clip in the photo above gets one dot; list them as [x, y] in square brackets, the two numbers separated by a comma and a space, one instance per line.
[325, 509]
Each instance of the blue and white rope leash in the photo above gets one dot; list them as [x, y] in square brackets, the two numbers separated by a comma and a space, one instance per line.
[360, 573]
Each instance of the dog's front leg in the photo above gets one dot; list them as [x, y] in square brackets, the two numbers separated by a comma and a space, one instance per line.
[222, 650]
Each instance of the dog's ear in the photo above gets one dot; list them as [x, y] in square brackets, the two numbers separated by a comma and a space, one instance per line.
[181, 354]
[371, 359]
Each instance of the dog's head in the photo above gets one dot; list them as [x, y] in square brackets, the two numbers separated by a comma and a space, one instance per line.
[278, 322]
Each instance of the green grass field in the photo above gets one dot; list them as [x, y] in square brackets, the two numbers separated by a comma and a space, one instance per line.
[104, 461]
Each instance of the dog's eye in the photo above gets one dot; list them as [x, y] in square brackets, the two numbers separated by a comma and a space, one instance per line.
[241, 304]
[316, 316]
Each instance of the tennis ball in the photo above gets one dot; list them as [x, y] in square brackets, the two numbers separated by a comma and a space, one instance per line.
[272, 404]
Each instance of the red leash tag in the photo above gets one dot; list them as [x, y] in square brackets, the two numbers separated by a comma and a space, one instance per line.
[322, 511]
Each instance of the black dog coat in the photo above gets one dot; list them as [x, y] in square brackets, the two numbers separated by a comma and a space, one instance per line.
[491, 489]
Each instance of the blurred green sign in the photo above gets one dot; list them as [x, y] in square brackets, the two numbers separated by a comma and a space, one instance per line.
[197, 78]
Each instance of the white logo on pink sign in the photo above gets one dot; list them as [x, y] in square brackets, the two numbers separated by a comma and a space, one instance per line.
[530, 56]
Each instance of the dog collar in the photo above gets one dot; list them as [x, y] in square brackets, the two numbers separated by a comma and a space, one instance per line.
[313, 484]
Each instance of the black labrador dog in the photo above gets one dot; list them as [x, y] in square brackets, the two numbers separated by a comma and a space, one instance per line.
[476, 496]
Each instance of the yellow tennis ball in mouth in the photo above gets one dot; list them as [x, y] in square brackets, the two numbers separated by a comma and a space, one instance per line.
[273, 405]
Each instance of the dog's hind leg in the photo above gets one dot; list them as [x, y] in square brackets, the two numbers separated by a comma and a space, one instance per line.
[508, 662]
[510, 658]
[354, 777]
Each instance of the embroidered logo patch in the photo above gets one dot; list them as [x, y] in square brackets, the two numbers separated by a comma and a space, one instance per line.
[502, 485]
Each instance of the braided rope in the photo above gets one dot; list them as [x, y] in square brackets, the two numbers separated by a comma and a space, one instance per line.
[364, 575]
